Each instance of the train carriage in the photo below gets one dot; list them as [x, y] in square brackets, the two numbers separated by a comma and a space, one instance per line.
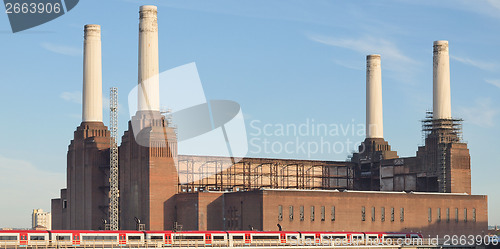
[65, 237]
[85, 238]
[24, 238]
[238, 238]
[159, 238]
[331, 238]
[76, 238]
[200, 238]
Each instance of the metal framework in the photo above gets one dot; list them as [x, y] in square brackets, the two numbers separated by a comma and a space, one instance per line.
[199, 173]
[113, 159]
[449, 130]
[441, 132]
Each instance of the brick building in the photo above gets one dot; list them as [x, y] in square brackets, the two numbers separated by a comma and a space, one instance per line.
[376, 191]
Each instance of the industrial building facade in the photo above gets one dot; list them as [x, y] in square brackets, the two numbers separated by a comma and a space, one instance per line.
[161, 190]
[331, 210]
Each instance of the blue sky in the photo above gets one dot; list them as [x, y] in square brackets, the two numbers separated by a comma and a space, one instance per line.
[284, 62]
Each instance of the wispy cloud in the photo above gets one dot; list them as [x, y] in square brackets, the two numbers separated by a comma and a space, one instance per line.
[483, 65]
[43, 186]
[74, 97]
[482, 114]
[366, 45]
[349, 65]
[484, 7]
[490, 8]
[494, 3]
[393, 59]
[493, 82]
[62, 49]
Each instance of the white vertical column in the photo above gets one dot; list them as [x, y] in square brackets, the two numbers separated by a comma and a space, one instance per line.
[441, 81]
[374, 119]
[92, 75]
[149, 85]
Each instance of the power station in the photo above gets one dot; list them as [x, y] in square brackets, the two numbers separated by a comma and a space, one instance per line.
[160, 190]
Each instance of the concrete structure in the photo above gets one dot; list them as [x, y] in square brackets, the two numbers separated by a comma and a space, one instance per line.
[149, 147]
[441, 81]
[259, 193]
[92, 75]
[374, 149]
[149, 82]
[41, 219]
[84, 203]
[374, 116]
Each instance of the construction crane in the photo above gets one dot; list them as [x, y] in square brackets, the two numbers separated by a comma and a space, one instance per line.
[113, 160]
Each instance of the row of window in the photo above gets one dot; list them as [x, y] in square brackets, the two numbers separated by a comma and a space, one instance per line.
[382, 214]
[447, 213]
[302, 214]
[373, 214]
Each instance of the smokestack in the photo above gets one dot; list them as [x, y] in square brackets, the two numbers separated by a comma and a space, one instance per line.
[441, 81]
[92, 75]
[149, 84]
[374, 120]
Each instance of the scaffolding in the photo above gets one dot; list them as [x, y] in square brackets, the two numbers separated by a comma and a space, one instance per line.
[113, 160]
[198, 173]
[449, 130]
[439, 133]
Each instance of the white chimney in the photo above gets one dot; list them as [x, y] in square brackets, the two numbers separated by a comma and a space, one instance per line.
[374, 119]
[149, 84]
[441, 81]
[92, 75]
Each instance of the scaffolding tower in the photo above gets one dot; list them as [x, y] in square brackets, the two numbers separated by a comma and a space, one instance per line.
[113, 159]
[438, 134]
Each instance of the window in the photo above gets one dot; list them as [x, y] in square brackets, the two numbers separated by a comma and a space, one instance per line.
[134, 237]
[4, 237]
[333, 213]
[99, 238]
[280, 213]
[363, 213]
[266, 237]
[188, 237]
[439, 215]
[392, 214]
[448, 215]
[63, 237]
[373, 213]
[64, 204]
[465, 214]
[312, 213]
[456, 214]
[301, 213]
[430, 215]
[290, 213]
[156, 237]
[402, 214]
[474, 214]
[37, 237]
[322, 213]
[382, 213]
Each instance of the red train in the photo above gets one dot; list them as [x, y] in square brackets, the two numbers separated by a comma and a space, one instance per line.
[192, 238]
